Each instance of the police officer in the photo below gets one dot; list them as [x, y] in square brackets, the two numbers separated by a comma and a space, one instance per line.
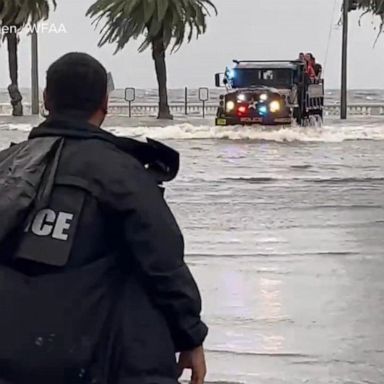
[97, 290]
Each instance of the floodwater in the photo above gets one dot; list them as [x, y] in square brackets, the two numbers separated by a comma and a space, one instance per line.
[284, 233]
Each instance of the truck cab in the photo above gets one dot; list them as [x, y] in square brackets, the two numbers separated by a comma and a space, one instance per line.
[269, 93]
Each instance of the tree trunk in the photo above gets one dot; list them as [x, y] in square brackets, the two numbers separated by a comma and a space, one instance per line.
[158, 54]
[13, 89]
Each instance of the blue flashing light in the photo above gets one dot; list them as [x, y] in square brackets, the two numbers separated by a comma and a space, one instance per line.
[231, 74]
[263, 110]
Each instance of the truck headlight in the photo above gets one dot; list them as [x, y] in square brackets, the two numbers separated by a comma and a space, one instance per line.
[274, 106]
[230, 106]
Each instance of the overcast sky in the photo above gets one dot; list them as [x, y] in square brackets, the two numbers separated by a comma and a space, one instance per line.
[244, 29]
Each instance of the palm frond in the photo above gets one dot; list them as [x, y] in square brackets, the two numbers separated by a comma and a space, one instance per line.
[19, 13]
[375, 7]
[173, 21]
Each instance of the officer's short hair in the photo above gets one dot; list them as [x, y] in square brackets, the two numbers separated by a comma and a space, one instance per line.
[76, 82]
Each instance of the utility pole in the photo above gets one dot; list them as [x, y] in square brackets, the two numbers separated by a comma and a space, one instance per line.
[348, 6]
[35, 72]
[344, 62]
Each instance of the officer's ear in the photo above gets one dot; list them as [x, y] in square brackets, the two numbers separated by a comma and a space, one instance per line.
[105, 104]
[162, 190]
[47, 104]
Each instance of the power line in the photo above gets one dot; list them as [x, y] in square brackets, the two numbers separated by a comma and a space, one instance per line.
[330, 34]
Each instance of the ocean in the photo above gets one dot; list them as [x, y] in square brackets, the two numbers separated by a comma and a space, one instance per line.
[149, 96]
[284, 234]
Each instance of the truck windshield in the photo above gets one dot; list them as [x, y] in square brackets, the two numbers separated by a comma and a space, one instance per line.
[251, 77]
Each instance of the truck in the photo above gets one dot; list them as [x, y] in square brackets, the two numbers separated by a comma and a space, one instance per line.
[269, 93]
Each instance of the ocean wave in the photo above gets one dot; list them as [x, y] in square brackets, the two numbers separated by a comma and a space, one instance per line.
[17, 127]
[239, 352]
[233, 321]
[329, 133]
[320, 180]
[247, 256]
[251, 180]
[215, 382]
[282, 179]
[189, 131]
[177, 95]
[346, 180]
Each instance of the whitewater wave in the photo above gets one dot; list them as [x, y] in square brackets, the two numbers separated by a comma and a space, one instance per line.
[16, 127]
[187, 131]
[234, 351]
[319, 180]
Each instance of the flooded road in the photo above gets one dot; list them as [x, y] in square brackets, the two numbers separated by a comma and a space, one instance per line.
[284, 233]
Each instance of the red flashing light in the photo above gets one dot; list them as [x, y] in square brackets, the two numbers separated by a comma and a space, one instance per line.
[242, 109]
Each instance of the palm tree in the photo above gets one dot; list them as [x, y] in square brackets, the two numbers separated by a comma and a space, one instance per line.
[371, 6]
[14, 15]
[375, 7]
[163, 23]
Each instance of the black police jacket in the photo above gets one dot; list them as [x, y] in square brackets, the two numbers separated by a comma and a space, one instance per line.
[108, 256]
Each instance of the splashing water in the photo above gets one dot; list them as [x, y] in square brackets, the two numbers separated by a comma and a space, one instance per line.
[186, 131]
[282, 134]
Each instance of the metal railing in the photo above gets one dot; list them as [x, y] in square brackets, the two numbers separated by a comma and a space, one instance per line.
[197, 109]
[210, 109]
